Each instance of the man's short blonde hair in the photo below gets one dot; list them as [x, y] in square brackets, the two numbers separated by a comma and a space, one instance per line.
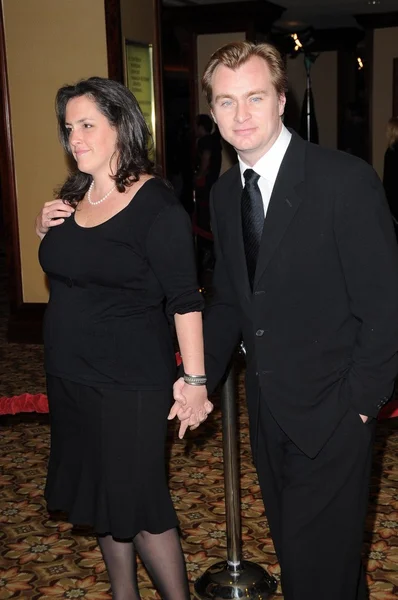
[235, 54]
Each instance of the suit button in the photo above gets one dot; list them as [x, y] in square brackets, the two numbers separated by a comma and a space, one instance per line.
[259, 332]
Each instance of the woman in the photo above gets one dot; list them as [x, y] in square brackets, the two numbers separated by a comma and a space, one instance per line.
[390, 175]
[117, 250]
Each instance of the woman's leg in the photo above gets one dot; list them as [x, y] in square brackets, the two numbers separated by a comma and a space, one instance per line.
[119, 558]
[162, 555]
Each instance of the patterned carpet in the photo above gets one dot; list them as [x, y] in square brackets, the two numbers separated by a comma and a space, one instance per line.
[42, 557]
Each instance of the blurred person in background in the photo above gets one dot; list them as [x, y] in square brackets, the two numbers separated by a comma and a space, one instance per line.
[207, 170]
[390, 173]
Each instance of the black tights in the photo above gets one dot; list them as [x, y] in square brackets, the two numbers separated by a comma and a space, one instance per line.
[162, 556]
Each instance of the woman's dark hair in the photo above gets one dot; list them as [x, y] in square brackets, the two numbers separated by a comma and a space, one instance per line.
[122, 110]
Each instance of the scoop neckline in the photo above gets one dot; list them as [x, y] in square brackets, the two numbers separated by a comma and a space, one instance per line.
[117, 214]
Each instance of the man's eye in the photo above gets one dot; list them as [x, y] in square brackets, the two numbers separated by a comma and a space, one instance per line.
[87, 125]
[226, 103]
[68, 130]
[256, 99]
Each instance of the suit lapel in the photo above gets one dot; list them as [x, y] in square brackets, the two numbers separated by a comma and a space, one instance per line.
[232, 236]
[284, 202]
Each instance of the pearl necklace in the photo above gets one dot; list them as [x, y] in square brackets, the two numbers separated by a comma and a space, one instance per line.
[102, 199]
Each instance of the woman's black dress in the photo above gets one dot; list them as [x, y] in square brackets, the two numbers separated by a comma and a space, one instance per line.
[110, 362]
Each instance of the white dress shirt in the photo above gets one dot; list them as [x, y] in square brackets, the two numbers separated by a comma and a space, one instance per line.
[268, 166]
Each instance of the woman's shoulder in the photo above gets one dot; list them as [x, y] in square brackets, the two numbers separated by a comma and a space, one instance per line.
[155, 199]
[159, 188]
[157, 194]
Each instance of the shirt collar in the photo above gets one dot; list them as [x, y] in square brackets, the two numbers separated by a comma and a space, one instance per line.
[268, 165]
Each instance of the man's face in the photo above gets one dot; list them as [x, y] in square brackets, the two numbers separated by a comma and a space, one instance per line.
[247, 108]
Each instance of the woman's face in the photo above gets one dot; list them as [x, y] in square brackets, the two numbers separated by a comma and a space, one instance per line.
[92, 139]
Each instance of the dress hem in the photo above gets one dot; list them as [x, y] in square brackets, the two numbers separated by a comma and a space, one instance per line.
[116, 534]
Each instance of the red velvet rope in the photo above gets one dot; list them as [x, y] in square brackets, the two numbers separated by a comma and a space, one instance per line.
[24, 403]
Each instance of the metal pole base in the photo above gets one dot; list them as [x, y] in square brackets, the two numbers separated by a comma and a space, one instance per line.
[223, 582]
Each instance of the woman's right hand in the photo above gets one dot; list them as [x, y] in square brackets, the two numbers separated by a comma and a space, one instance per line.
[52, 214]
[191, 405]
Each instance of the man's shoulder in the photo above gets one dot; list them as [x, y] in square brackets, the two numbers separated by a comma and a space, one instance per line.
[339, 173]
[326, 161]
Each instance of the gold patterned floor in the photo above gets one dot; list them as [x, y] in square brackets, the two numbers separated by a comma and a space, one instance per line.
[44, 558]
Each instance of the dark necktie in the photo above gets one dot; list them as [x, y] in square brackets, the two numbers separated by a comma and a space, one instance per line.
[252, 220]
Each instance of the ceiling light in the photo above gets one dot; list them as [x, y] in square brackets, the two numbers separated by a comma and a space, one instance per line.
[297, 42]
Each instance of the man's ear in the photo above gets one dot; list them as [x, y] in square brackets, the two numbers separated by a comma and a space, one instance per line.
[282, 104]
[213, 117]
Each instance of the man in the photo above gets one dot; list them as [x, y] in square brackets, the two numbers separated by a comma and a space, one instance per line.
[313, 290]
[208, 152]
[207, 170]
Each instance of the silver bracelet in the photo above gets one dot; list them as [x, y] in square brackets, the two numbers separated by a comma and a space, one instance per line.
[195, 379]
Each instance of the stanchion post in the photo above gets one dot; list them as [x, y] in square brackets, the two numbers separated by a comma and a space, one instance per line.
[231, 474]
[233, 578]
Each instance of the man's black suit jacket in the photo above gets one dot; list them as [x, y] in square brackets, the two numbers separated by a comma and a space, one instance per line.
[321, 324]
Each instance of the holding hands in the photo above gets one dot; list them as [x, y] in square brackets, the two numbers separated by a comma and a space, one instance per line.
[191, 405]
[53, 213]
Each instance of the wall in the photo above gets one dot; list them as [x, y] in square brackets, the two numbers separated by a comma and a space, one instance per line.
[138, 20]
[41, 58]
[206, 45]
[385, 49]
[324, 89]
[48, 43]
